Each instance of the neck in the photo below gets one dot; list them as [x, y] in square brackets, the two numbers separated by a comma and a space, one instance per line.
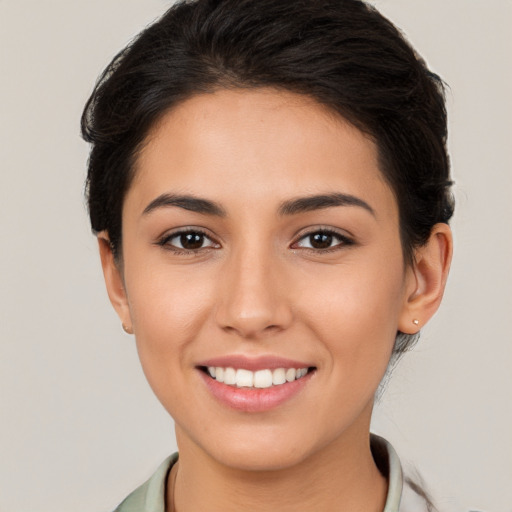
[341, 477]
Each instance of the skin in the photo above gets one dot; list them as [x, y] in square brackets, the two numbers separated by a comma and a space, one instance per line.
[257, 287]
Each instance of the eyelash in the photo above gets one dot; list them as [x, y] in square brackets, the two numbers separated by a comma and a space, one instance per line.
[164, 241]
[343, 241]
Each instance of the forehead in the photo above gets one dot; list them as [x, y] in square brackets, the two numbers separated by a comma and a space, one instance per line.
[255, 145]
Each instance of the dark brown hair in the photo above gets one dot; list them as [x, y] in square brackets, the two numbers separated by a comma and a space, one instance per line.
[342, 53]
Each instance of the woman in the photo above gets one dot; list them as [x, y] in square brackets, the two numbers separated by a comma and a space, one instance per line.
[269, 185]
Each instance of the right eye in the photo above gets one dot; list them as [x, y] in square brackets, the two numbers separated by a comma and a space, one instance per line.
[323, 240]
[187, 241]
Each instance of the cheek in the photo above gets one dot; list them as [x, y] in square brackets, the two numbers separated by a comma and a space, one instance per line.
[168, 309]
[356, 315]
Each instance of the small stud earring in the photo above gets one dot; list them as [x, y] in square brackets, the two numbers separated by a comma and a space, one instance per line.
[416, 322]
[127, 330]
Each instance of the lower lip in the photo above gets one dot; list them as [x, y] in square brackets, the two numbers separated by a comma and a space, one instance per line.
[254, 399]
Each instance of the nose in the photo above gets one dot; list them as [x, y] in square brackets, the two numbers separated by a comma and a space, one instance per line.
[253, 300]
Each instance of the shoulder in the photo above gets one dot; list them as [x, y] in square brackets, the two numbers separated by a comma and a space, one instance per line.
[150, 496]
[416, 497]
[406, 489]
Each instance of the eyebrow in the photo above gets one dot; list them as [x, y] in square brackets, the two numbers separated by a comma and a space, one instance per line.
[291, 207]
[187, 202]
[318, 202]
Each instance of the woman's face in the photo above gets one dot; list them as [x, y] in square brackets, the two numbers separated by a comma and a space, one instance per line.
[260, 235]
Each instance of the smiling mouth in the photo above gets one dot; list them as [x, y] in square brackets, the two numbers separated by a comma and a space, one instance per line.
[260, 379]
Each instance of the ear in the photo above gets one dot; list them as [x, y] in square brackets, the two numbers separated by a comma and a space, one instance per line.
[426, 279]
[114, 281]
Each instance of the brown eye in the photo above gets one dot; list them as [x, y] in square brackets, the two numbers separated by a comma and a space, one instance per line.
[191, 241]
[187, 241]
[323, 240]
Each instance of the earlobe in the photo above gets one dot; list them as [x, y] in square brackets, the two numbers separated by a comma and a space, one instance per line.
[114, 281]
[427, 279]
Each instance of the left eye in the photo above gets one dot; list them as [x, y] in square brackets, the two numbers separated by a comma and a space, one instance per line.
[188, 241]
[322, 240]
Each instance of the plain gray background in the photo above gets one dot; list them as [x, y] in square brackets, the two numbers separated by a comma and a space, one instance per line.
[79, 427]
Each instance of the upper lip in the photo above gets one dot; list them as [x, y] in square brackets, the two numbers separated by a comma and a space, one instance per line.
[253, 363]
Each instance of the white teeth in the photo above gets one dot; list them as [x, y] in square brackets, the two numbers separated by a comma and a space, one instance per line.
[219, 374]
[301, 372]
[229, 376]
[290, 374]
[278, 376]
[243, 378]
[263, 379]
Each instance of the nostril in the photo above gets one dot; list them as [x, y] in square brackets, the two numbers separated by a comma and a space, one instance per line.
[250, 316]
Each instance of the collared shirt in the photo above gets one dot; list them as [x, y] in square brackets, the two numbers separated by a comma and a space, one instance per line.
[150, 497]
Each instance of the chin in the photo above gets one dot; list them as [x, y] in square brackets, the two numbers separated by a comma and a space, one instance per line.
[257, 458]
